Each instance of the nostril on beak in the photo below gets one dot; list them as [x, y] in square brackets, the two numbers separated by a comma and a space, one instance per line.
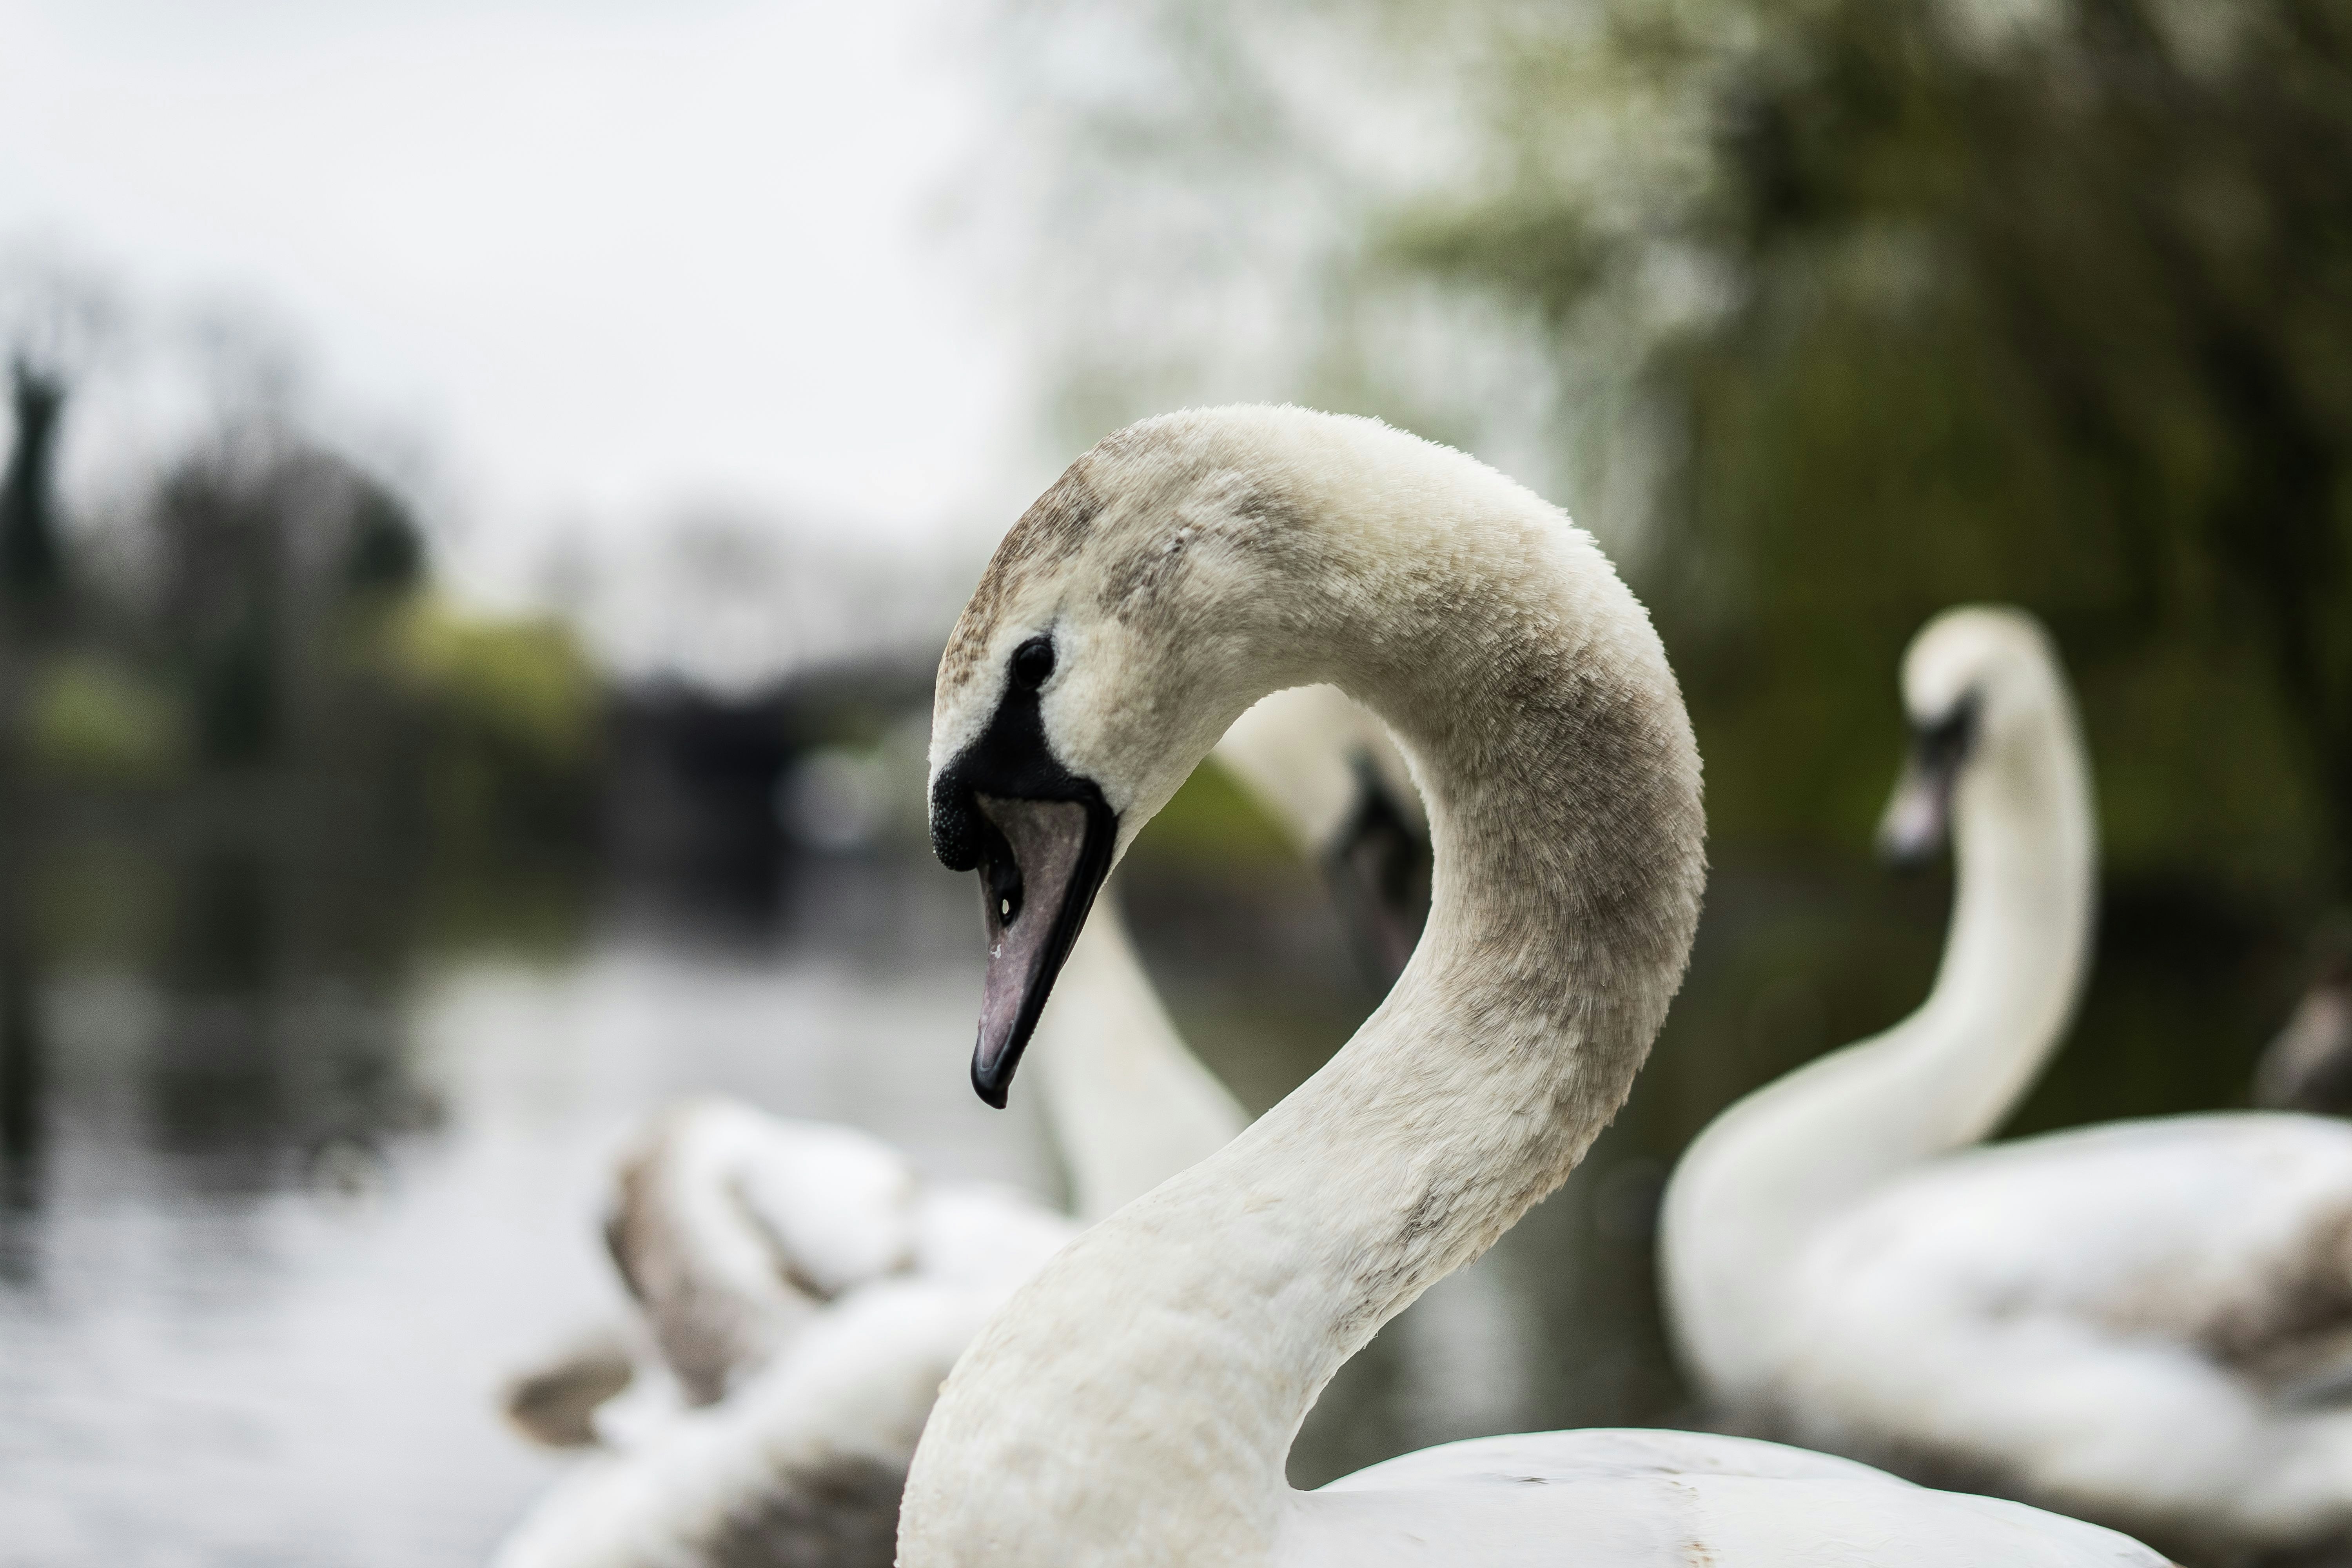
[1000, 876]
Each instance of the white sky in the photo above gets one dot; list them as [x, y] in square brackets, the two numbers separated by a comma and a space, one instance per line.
[601, 260]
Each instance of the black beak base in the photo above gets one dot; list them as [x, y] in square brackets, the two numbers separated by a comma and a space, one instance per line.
[1917, 823]
[1378, 871]
[1041, 839]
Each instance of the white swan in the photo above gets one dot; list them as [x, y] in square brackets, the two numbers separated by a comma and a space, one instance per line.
[805, 1283]
[1134, 1404]
[2147, 1322]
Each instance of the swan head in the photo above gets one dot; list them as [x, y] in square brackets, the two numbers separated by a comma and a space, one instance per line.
[1975, 679]
[1330, 775]
[1127, 619]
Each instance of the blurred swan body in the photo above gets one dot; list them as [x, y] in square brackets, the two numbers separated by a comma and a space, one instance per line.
[1134, 1404]
[803, 1283]
[734, 1229]
[2147, 1323]
[802, 1461]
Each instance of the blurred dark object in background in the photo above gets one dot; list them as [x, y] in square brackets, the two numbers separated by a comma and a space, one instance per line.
[707, 793]
[2308, 1067]
[30, 556]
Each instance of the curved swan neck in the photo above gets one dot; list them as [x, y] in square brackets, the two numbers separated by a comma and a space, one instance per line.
[1137, 1403]
[1777, 1162]
[2024, 852]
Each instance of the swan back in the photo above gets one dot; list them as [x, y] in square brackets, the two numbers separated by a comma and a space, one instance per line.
[1633, 1499]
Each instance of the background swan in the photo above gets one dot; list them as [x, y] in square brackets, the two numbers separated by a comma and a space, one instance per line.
[1327, 773]
[1134, 1404]
[2147, 1322]
[807, 1283]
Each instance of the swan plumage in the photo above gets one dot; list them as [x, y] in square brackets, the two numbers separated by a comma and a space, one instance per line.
[556, 1403]
[2147, 1323]
[1134, 1403]
[1639, 1495]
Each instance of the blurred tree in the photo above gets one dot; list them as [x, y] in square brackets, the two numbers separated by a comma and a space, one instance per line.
[2050, 304]
[267, 564]
[512, 713]
[386, 554]
[222, 548]
[32, 558]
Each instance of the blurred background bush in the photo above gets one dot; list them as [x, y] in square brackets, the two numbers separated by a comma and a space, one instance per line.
[379, 834]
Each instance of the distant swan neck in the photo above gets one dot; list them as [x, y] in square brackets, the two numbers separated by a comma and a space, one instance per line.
[1768, 1171]
[1137, 1403]
[1130, 1106]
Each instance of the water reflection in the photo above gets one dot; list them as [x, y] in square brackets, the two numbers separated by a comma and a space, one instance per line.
[22, 1093]
[296, 1224]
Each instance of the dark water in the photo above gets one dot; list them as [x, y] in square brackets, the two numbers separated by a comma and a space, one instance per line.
[287, 1186]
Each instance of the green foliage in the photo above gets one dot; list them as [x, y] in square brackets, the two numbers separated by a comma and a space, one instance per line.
[2058, 314]
[1208, 821]
[93, 720]
[525, 682]
[276, 659]
[513, 710]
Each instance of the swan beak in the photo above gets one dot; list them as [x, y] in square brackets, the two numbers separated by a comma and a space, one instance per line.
[1041, 864]
[1379, 870]
[1917, 823]
[1918, 820]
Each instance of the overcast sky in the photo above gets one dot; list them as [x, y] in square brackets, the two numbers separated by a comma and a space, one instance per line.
[599, 260]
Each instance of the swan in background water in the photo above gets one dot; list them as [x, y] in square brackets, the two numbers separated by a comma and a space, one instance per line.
[1327, 772]
[804, 1283]
[1134, 1404]
[2147, 1323]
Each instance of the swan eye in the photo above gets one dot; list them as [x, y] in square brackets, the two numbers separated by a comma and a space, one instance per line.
[1033, 661]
